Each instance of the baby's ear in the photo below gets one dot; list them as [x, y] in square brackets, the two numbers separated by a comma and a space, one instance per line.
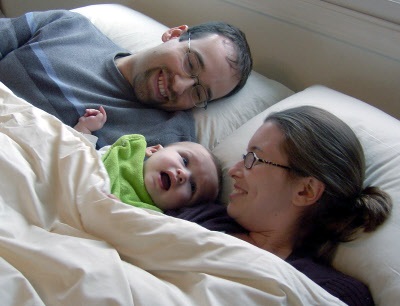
[153, 149]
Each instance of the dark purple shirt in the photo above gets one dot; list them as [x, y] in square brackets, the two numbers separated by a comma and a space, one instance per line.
[349, 290]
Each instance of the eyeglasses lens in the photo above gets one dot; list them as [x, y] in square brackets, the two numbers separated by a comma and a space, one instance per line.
[249, 159]
[191, 64]
[192, 68]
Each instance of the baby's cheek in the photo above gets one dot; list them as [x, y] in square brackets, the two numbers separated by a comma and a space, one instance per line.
[182, 198]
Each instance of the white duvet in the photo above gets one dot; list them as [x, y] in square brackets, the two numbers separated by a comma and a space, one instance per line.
[64, 242]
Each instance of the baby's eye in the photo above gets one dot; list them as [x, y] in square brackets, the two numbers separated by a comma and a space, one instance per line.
[193, 187]
[185, 161]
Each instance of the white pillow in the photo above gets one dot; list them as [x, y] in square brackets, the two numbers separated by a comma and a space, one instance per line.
[134, 31]
[127, 28]
[373, 258]
[224, 116]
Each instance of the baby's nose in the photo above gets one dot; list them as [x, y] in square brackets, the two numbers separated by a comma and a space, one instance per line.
[182, 176]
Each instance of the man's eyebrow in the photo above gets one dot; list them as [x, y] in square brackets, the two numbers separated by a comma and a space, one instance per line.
[202, 65]
[199, 58]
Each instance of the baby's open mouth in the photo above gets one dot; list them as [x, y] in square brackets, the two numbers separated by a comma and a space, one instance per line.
[165, 180]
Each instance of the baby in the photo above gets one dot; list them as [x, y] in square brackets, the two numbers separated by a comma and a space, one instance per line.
[155, 177]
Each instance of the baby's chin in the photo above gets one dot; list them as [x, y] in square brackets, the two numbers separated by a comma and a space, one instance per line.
[169, 205]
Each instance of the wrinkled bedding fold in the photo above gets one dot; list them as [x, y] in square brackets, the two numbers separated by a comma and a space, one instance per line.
[64, 242]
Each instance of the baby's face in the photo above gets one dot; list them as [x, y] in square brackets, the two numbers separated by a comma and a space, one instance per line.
[180, 175]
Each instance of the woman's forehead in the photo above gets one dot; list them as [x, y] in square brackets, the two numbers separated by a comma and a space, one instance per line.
[267, 133]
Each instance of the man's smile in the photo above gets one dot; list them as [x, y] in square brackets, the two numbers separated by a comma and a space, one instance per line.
[162, 85]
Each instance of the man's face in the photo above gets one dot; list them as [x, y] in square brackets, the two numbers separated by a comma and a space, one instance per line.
[159, 80]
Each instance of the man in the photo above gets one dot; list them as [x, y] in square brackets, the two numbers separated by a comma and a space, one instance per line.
[59, 62]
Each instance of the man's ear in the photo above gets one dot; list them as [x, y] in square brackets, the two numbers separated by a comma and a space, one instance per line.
[308, 191]
[153, 149]
[174, 32]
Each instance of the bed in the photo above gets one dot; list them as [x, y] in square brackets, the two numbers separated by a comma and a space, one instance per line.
[64, 242]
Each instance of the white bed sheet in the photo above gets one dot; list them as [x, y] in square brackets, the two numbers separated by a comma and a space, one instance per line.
[64, 242]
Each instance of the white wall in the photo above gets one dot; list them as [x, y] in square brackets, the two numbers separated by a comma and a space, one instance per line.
[12, 8]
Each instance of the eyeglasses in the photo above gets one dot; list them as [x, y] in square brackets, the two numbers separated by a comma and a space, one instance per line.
[192, 68]
[250, 158]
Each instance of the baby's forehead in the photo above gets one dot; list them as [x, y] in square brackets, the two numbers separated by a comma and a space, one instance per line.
[193, 150]
[190, 146]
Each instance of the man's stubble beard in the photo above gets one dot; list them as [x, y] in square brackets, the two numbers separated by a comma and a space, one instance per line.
[142, 91]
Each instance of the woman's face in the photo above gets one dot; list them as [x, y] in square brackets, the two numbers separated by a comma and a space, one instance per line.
[261, 196]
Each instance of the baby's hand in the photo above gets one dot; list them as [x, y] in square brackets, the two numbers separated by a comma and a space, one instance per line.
[92, 120]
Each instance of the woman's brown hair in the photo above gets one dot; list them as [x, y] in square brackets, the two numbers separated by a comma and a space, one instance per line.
[320, 145]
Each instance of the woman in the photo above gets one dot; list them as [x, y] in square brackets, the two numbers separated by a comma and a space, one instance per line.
[299, 192]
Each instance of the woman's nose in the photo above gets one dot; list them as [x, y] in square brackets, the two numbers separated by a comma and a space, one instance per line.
[182, 83]
[235, 169]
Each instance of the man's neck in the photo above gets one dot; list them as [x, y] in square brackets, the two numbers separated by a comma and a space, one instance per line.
[122, 64]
